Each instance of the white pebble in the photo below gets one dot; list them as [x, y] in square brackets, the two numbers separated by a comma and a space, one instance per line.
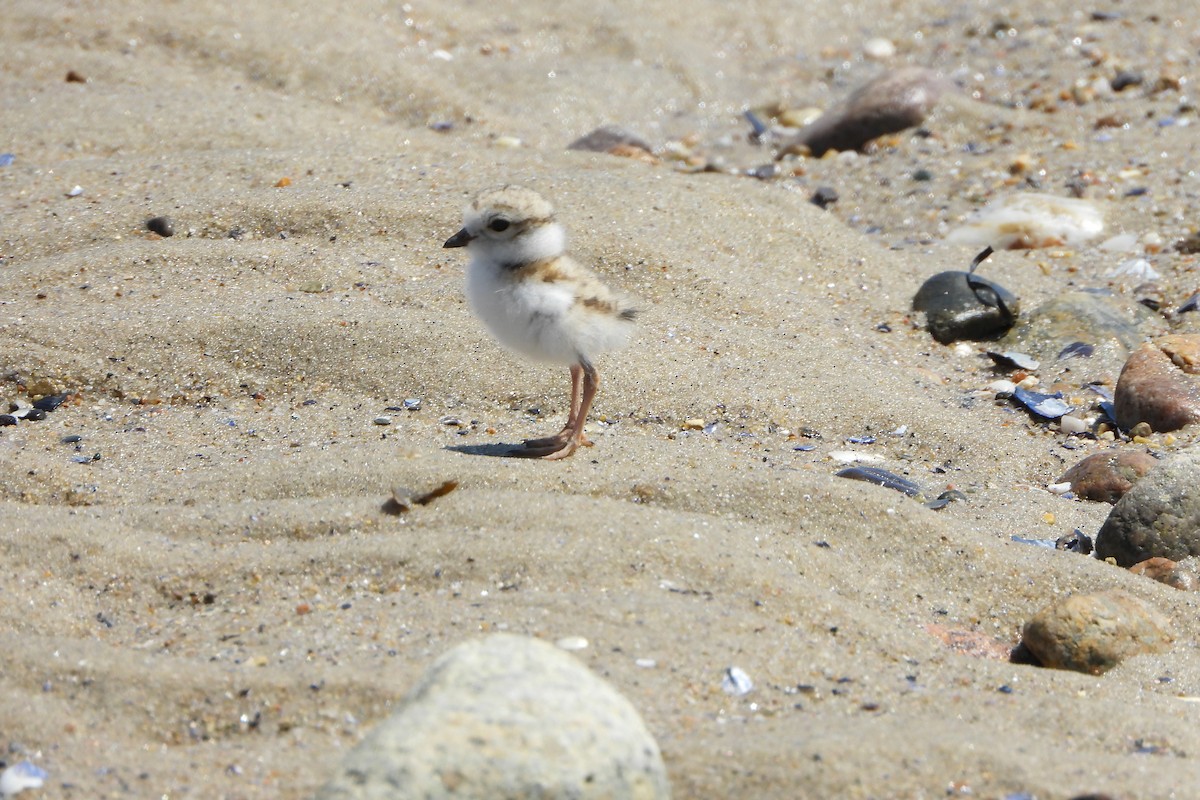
[78, 190]
[1001, 387]
[962, 350]
[1059, 488]
[1030, 382]
[646, 663]
[507, 142]
[1069, 423]
[879, 48]
[572, 643]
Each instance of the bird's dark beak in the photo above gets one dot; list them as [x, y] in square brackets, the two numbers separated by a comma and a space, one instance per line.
[460, 239]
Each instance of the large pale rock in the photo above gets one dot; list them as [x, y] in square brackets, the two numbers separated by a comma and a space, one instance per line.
[1095, 632]
[506, 717]
[1159, 516]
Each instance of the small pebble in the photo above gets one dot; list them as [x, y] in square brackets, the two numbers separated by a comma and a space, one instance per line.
[879, 48]
[75, 192]
[412, 404]
[572, 643]
[824, 197]
[1124, 79]
[1072, 425]
[382, 420]
[6, 159]
[7, 419]
[163, 226]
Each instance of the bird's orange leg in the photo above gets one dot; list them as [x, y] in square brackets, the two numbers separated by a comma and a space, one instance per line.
[585, 382]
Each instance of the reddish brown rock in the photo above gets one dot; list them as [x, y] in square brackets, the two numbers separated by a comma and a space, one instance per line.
[1106, 477]
[1094, 632]
[1160, 384]
[894, 101]
[1181, 575]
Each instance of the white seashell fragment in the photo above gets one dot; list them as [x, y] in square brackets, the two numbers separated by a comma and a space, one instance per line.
[1138, 269]
[1059, 488]
[20, 777]
[1001, 387]
[736, 682]
[1028, 220]
[852, 457]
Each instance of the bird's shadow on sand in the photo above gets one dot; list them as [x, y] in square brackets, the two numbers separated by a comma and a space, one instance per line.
[494, 450]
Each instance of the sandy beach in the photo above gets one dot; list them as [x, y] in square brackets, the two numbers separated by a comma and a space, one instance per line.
[203, 596]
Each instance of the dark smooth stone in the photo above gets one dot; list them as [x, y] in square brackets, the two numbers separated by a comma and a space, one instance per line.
[163, 226]
[960, 305]
[894, 101]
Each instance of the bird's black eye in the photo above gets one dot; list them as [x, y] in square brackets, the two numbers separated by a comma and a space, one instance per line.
[498, 224]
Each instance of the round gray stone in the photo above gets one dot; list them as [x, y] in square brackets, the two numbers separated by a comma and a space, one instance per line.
[1159, 516]
[506, 717]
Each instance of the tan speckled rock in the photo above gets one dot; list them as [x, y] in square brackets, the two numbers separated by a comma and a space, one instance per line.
[1160, 384]
[506, 716]
[1106, 477]
[1094, 632]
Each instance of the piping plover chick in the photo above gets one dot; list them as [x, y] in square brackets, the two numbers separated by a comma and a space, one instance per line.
[538, 301]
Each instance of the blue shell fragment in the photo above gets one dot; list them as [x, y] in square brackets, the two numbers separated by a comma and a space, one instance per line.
[1050, 406]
